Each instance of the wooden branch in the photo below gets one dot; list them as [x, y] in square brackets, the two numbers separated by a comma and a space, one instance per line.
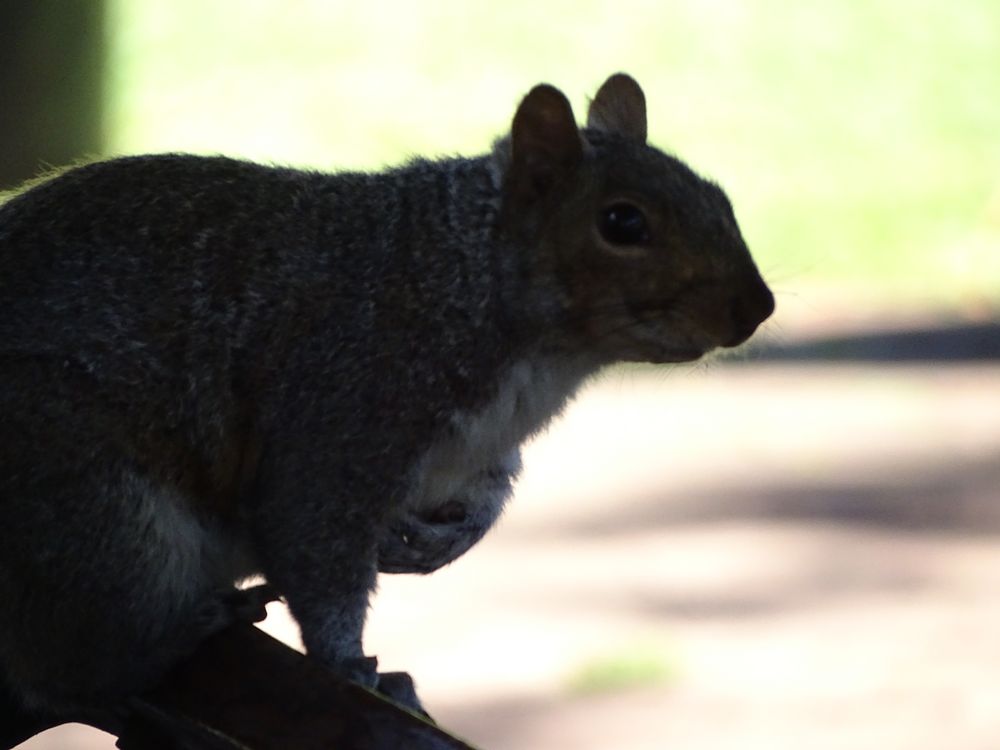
[243, 690]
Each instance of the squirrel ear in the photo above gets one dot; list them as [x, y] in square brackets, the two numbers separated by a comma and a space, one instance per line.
[620, 108]
[545, 140]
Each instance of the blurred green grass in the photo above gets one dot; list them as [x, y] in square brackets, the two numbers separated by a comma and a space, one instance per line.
[629, 667]
[859, 140]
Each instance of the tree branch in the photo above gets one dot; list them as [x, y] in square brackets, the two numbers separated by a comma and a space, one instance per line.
[243, 690]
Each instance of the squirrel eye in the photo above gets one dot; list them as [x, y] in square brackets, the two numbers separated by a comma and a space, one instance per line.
[623, 224]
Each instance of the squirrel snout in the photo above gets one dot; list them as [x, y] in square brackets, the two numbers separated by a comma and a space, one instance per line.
[748, 310]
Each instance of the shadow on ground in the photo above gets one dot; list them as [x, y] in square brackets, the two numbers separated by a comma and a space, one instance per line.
[948, 498]
[950, 343]
[951, 496]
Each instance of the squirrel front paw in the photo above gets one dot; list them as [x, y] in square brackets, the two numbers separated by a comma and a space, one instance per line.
[422, 542]
[399, 688]
[429, 532]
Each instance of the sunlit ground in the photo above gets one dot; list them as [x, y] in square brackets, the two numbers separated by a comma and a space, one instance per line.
[748, 555]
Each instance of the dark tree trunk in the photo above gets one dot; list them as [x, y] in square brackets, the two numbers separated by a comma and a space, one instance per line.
[52, 65]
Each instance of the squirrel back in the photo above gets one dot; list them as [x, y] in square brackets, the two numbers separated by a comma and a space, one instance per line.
[181, 286]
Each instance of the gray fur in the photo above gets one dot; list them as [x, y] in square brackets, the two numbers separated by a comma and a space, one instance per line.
[211, 368]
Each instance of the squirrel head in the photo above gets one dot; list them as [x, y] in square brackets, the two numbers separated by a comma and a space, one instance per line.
[644, 256]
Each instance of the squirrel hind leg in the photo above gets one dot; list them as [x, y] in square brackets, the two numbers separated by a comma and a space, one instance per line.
[107, 582]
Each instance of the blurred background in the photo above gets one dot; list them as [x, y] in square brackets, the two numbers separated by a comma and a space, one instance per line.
[794, 546]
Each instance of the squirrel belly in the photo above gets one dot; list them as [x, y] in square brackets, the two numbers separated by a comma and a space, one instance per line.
[529, 395]
[462, 483]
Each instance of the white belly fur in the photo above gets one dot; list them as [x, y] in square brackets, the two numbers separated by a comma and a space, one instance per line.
[489, 440]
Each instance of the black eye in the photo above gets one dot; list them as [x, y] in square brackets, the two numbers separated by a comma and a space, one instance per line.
[623, 224]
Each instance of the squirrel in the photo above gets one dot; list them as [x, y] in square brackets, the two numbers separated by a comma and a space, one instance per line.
[212, 369]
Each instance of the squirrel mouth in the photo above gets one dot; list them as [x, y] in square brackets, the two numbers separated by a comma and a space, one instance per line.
[649, 351]
[678, 355]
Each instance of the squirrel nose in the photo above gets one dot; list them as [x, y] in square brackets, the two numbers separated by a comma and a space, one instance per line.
[748, 310]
